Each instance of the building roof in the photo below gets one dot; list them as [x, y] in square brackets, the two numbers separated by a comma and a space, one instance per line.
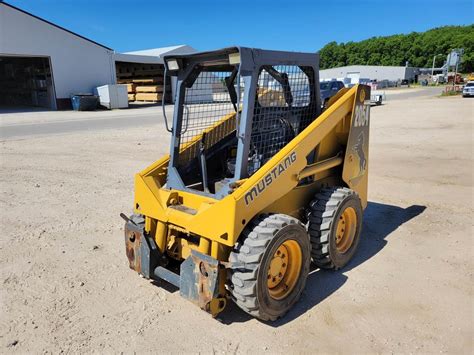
[154, 55]
[134, 58]
[54, 25]
[160, 52]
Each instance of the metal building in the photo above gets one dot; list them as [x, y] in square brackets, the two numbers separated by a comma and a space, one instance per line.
[372, 72]
[42, 64]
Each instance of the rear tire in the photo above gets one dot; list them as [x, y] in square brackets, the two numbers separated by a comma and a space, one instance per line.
[334, 226]
[272, 264]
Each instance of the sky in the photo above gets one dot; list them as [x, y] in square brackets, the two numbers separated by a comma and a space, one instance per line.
[294, 25]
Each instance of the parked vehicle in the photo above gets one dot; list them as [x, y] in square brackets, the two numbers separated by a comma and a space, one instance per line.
[376, 98]
[468, 89]
[439, 79]
[328, 89]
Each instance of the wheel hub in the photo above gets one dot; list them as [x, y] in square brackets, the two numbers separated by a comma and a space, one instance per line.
[346, 228]
[284, 269]
[278, 266]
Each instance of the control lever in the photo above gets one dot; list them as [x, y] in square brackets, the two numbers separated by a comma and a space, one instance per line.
[202, 160]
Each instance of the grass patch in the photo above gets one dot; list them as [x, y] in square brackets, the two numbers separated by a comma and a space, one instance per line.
[451, 93]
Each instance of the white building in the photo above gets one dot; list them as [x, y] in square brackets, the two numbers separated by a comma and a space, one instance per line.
[43, 64]
[372, 72]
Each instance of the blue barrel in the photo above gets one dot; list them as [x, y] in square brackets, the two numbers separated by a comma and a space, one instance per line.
[84, 102]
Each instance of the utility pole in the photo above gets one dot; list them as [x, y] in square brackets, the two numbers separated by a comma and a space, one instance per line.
[432, 67]
[458, 60]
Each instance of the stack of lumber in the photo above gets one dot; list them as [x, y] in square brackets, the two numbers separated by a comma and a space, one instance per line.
[144, 81]
[148, 92]
[131, 91]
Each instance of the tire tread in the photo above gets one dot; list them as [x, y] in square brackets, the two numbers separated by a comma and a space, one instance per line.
[256, 237]
[321, 212]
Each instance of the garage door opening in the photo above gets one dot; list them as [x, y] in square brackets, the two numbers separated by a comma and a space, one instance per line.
[26, 82]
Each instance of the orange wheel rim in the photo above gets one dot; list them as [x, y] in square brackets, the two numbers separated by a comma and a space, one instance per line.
[284, 269]
[346, 229]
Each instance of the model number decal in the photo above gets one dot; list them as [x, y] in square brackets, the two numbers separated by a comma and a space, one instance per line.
[361, 117]
[269, 178]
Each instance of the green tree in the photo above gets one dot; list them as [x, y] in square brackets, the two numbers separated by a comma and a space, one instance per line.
[418, 48]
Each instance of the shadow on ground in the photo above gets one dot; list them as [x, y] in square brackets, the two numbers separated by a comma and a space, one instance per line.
[21, 109]
[143, 104]
[380, 220]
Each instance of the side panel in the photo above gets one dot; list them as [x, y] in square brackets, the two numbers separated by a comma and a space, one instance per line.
[356, 161]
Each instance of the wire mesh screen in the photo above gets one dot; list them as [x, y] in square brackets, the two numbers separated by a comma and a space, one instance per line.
[284, 107]
[207, 104]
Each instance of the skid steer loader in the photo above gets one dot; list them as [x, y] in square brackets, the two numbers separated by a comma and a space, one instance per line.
[259, 182]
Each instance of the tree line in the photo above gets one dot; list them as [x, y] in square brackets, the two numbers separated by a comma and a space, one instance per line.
[418, 48]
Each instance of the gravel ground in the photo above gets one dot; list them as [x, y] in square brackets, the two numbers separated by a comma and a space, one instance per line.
[66, 286]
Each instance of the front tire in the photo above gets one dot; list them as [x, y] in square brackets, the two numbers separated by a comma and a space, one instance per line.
[334, 226]
[272, 264]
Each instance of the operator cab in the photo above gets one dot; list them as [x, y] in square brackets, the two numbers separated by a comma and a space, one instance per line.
[234, 110]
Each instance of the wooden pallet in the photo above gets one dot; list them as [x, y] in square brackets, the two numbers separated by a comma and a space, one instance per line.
[150, 88]
[131, 97]
[142, 96]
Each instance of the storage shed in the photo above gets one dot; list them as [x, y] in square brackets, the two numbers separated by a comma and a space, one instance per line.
[143, 72]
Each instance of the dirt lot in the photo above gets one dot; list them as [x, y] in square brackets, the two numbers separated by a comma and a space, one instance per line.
[65, 284]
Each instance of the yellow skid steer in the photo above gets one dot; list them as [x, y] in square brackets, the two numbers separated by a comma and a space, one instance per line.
[261, 180]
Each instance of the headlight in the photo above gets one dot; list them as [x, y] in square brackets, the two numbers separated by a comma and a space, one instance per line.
[173, 64]
[234, 58]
